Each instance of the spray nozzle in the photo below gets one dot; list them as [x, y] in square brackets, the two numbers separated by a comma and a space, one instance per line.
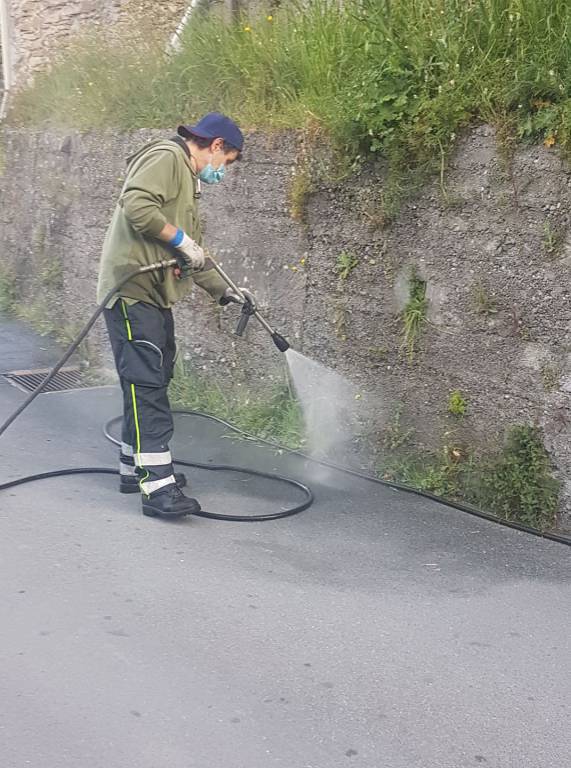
[281, 343]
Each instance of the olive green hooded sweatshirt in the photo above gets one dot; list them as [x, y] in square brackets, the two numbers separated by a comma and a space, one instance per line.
[160, 187]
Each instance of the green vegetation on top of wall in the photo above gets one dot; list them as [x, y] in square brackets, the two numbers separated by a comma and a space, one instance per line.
[396, 77]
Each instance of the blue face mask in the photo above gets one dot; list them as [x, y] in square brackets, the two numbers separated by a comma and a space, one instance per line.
[210, 175]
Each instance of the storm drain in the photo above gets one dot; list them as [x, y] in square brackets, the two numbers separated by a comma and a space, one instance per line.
[67, 378]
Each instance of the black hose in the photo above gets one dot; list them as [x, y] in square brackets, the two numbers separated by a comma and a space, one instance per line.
[58, 473]
[309, 498]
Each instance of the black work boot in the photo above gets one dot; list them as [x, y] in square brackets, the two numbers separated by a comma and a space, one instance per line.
[130, 483]
[169, 503]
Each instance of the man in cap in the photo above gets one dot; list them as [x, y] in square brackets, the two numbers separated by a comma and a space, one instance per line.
[157, 217]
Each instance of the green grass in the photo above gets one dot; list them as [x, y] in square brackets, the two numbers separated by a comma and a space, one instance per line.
[414, 315]
[515, 483]
[395, 77]
[275, 416]
[519, 484]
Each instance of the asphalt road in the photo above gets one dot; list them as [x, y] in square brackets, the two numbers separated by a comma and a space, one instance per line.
[376, 630]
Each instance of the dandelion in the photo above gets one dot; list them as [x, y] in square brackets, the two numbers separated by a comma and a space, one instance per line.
[247, 29]
[269, 18]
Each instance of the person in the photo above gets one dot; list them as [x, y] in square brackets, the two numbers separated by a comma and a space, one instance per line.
[155, 218]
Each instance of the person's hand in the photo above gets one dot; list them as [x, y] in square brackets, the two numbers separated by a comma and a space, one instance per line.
[230, 295]
[192, 254]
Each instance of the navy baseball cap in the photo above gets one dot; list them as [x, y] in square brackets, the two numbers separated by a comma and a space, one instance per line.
[214, 125]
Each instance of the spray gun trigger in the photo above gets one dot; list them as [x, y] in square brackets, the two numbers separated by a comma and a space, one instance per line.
[246, 313]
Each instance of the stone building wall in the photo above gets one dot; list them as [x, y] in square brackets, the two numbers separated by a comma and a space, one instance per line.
[41, 27]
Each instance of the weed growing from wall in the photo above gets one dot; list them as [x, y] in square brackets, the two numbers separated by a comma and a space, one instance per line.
[414, 315]
[550, 376]
[519, 484]
[457, 403]
[553, 240]
[340, 317]
[483, 301]
[345, 264]
[395, 435]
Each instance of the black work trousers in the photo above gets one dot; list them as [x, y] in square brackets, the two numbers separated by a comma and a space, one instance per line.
[143, 343]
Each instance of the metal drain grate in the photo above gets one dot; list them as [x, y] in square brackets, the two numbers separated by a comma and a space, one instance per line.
[67, 378]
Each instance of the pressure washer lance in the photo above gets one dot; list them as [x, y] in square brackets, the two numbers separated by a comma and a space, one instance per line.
[247, 312]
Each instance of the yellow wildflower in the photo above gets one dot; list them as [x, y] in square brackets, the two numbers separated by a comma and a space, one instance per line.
[270, 18]
[550, 141]
[247, 29]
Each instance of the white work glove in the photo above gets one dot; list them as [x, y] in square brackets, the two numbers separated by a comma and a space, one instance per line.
[192, 256]
[230, 295]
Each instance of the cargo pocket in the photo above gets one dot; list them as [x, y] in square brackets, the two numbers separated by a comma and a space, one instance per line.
[141, 363]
